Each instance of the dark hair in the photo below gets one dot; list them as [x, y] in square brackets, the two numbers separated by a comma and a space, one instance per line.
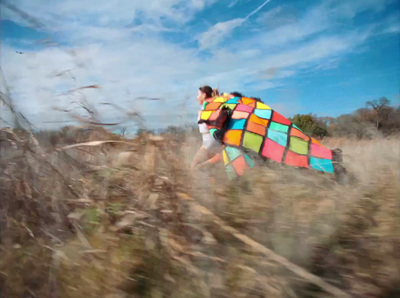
[237, 94]
[207, 90]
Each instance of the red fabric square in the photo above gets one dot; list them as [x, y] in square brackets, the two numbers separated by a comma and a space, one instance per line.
[214, 115]
[276, 117]
[240, 165]
[320, 151]
[296, 160]
[273, 150]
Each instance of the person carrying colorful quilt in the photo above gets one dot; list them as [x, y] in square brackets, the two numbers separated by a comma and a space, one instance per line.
[246, 126]
[210, 150]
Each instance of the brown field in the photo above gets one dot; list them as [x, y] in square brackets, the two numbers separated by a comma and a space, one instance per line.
[112, 220]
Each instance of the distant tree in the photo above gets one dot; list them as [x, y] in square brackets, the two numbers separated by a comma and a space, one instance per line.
[380, 110]
[352, 125]
[310, 125]
[123, 131]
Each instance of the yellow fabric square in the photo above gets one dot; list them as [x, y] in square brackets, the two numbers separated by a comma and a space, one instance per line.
[226, 160]
[205, 115]
[262, 106]
[219, 99]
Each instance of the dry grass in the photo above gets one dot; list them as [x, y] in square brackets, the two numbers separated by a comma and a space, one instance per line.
[92, 222]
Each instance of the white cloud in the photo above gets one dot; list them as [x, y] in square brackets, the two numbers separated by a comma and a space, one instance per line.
[216, 34]
[105, 46]
[233, 3]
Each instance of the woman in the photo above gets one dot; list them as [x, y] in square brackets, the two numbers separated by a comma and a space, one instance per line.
[210, 149]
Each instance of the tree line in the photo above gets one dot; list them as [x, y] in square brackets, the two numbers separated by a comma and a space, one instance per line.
[377, 117]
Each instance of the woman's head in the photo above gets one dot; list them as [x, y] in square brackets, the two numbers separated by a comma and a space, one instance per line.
[203, 93]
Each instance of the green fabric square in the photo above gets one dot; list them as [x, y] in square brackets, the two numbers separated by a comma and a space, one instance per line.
[252, 141]
[230, 106]
[278, 127]
[230, 171]
[298, 146]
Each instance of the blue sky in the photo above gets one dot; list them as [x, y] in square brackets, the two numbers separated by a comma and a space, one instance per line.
[322, 57]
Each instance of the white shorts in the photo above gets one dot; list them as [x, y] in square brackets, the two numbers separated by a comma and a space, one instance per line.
[210, 143]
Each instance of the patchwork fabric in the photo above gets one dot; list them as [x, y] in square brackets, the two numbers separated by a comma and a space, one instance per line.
[298, 145]
[254, 126]
[232, 137]
[256, 119]
[321, 164]
[297, 133]
[265, 114]
[240, 115]
[236, 161]
[278, 137]
[279, 127]
[273, 150]
[236, 123]
[244, 108]
[252, 141]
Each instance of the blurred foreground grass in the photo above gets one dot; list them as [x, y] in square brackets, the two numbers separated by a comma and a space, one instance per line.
[107, 221]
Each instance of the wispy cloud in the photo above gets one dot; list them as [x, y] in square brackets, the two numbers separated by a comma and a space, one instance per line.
[218, 32]
[125, 48]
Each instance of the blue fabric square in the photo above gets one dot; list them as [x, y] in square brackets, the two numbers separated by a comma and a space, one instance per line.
[234, 100]
[236, 124]
[320, 164]
[265, 114]
[278, 137]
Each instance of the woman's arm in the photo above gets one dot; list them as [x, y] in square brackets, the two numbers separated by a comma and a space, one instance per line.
[200, 156]
[213, 160]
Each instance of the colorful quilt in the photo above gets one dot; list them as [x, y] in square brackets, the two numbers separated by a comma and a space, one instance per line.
[255, 127]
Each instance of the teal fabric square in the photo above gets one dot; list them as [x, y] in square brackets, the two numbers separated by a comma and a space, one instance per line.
[212, 131]
[294, 125]
[232, 152]
[320, 164]
[278, 137]
[279, 127]
[249, 161]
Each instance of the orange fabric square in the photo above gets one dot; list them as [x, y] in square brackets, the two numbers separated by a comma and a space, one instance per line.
[249, 102]
[233, 137]
[213, 106]
[256, 128]
[297, 133]
[315, 141]
[258, 120]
